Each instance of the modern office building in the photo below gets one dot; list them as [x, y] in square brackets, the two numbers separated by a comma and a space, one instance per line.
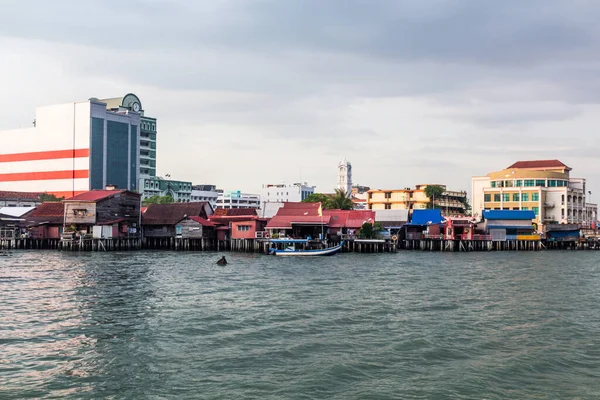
[208, 193]
[72, 148]
[451, 202]
[282, 192]
[147, 143]
[542, 186]
[237, 199]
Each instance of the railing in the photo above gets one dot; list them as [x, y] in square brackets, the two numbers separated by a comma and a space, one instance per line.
[414, 235]
[482, 237]
[439, 236]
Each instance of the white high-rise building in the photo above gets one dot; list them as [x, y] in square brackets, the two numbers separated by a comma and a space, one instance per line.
[282, 192]
[345, 176]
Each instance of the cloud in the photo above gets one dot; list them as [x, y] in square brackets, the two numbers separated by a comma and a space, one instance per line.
[409, 91]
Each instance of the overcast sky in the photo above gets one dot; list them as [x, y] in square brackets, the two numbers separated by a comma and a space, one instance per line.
[252, 92]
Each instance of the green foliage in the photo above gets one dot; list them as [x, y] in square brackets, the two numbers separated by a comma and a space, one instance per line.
[158, 200]
[433, 192]
[49, 197]
[369, 230]
[316, 198]
[340, 201]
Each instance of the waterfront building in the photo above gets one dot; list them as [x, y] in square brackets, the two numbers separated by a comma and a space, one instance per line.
[237, 223]
[208, 193]
[345, 176]
[451, 203]
[103, 214]
[503, 225]
[424, 224]
[392, 220]
[180, 191]
[348, 222]
[237, 199]
[71, 149]
[545, 187]
[45, 221]
[282, 192]
[163, 220]
[299, 220]
[19, 199]
[147, 139]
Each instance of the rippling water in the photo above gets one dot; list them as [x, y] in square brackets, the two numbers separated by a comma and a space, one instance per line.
[408, 325]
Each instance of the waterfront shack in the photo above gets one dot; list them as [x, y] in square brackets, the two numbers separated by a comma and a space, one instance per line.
[503, 225]
[300, 221]
[238, 227]
[393, 221]
[347, 223]
[103, 214]
[162, 225]
[562, 235]
[45, 221]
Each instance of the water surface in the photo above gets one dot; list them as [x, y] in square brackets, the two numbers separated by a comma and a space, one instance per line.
[411, 325]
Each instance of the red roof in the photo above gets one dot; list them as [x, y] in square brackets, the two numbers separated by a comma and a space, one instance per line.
[170, 214]
[234, 212]
[201, 221]
[353, 219]
[95, 195]
[539, 164]
[20, 195]
[50, 212]
[297, 213]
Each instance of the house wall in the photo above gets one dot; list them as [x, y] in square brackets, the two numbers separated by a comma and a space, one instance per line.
[159, 231]
[191, 229]
[80, 213]
[238, 233]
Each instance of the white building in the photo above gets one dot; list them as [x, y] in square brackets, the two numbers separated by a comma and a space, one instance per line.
[237, 199]
[544, 187]
[282, 192]
[205, 193]
[345, 176]
[72, 148]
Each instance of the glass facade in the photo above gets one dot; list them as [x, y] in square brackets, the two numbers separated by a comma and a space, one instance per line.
[97, 154]
[133, 151]
[117, 140]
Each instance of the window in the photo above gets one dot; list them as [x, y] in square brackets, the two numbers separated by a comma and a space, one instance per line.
[80, 212]
[529, 182]
[508, 183]
[505, 196]
[487, 197]
[525, 197]
[243, 228]
[388, 195]
[552, 183]
[493, 184]
[535, 197]
[540, 182]
[536, 210]
[496, 196]
[525, 208]
[388, 206]
[515, 196]
[518, 183]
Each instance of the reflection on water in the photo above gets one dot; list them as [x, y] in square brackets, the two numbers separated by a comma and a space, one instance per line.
[409, 325]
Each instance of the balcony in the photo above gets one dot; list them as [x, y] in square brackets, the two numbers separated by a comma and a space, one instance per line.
[549, 204]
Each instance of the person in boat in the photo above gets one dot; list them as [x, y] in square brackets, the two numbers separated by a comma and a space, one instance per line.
[222, 261]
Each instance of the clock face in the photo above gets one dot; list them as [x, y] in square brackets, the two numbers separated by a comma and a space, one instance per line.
[136, 106]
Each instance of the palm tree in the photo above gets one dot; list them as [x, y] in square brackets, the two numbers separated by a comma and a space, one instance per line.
[340, 201]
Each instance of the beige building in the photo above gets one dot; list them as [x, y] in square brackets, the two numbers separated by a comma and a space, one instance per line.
[451, 202]
[544, 187]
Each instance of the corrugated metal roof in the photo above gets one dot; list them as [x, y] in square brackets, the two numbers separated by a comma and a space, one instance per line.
[50, 212]
[511, 215]
[234, 212]
[391, 215]
[15, 211]
[426, 217]
[170, 214]
[518, 227]
[201, 221]
[95, 195]
[286, 221]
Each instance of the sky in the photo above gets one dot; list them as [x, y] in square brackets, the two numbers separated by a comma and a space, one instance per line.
[250, 92]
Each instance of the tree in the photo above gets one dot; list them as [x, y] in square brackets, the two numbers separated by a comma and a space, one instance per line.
[466, 205]
[340, 201]
[432, 192]
[49, 197]
[369, 230]
[317, 198]
[158, 200]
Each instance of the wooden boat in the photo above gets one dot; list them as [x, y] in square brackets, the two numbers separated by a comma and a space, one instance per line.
[292, 251]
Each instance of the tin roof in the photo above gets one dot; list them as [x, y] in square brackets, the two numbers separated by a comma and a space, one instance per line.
[426, 217]
[95, 195]
[298, 213]
[170, 214]
[201, 221]
[234, 212]
[49, 212]
[512, 215]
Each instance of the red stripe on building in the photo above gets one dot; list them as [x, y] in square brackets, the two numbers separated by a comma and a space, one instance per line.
[45, 155]
[44, 176]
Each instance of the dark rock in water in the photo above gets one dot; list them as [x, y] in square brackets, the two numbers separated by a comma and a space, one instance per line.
[222, 261]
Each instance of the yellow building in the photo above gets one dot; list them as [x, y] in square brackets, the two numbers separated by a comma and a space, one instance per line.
[544, 187]
[451, 202]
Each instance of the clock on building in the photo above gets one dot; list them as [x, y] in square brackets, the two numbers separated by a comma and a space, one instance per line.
[136, 106]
